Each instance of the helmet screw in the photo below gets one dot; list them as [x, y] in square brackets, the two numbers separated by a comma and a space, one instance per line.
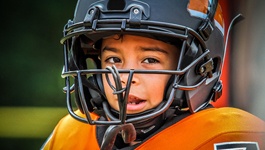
[91, 11]
[136, 11]
[202, 70]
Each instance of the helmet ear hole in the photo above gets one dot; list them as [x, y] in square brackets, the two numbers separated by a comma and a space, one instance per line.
[97, 96]
[78, 97]
[93, 93]
[99, 83]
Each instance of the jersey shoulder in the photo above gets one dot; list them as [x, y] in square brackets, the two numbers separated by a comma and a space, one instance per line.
[72, 134]
[210, 127]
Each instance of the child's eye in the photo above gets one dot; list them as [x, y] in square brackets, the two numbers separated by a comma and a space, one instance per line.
[113, 60]
[150, 60]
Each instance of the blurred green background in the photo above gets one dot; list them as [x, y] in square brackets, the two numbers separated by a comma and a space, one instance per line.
[31, 101]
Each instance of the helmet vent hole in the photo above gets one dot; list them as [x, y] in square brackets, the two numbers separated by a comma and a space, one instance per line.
[116, 4]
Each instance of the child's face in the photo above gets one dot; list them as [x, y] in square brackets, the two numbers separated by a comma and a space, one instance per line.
[136, 52]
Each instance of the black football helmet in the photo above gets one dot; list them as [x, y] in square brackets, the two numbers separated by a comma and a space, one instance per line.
[197, 27]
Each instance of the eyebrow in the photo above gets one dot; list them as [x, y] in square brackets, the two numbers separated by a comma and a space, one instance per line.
[107, 48]
[154, 49]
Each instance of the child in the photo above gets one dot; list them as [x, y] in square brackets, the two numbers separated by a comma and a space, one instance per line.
[157, 68]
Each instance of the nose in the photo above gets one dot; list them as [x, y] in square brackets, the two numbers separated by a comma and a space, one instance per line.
[133, 78]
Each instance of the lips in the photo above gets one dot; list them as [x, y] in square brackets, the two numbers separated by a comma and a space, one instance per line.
[135, 103]
[134, 100]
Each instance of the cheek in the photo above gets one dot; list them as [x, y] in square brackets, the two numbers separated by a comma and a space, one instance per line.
[156, 84]
[108, 92]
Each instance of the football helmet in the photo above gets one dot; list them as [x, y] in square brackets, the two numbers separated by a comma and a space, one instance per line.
[196, 26]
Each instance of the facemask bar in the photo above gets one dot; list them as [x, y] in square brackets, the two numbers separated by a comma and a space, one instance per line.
[74, 30]
[118, 90]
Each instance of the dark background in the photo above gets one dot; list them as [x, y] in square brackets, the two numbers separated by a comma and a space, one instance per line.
[31, 60]
[30, 67]
[31, 55]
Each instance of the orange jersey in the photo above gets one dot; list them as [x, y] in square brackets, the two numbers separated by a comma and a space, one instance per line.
[210, 127]
[206, 129]
[70, 134]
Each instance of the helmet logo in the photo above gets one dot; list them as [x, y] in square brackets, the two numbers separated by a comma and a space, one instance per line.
[200, 8]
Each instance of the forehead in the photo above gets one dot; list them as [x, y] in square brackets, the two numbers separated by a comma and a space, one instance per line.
[139, 44]
[122, 39]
